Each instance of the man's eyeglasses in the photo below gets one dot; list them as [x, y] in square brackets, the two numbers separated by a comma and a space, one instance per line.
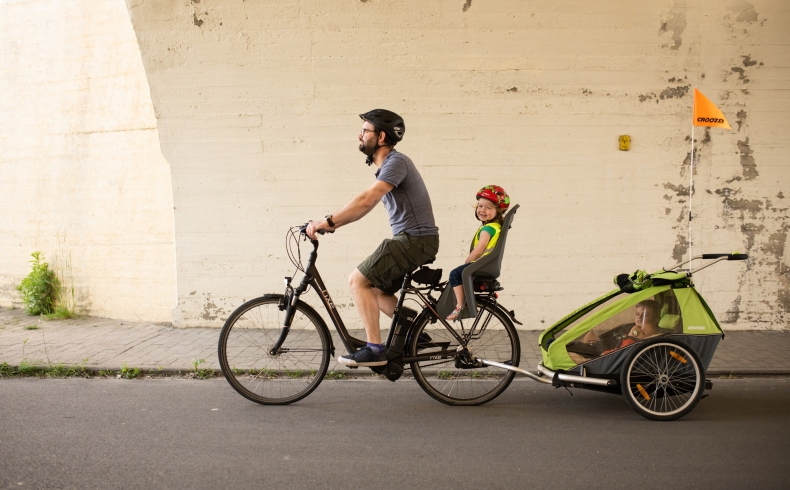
[365, 130]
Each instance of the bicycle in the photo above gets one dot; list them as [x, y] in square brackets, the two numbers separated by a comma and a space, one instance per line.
[275, 349]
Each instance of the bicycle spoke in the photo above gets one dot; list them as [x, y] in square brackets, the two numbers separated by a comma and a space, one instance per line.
[492, 338]
[663, 380]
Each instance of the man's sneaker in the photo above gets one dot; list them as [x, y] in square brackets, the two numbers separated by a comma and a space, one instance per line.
[364, 357]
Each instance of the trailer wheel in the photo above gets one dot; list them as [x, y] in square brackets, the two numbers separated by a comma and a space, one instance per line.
[662, 379]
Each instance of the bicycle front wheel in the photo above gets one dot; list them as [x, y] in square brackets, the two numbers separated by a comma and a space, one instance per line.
[456, 381]
[288, 375]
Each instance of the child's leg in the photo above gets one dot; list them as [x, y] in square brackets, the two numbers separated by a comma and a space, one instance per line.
[458, 288]
[459, 295]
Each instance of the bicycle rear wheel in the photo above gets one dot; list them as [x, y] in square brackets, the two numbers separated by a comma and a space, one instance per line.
[285, 377]
[453, 381]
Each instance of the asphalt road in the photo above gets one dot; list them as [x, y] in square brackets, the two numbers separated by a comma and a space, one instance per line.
[359, 434]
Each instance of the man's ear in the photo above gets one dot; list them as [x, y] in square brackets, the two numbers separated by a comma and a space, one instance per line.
[382, 138]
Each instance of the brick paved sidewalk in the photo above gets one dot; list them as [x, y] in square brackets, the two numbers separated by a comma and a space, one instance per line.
[109, 344]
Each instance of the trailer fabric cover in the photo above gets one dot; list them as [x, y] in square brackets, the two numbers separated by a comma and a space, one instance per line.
[695, 316]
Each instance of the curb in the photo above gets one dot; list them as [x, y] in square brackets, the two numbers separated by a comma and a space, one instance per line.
[94, 371]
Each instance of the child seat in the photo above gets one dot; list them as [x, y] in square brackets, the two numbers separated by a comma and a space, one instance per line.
[485, 269]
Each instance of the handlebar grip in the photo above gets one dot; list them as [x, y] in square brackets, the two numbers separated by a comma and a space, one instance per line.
[320, 232]
[735, 256]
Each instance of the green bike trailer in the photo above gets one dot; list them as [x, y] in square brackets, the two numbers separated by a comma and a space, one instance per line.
[651, 339]
[682, 313]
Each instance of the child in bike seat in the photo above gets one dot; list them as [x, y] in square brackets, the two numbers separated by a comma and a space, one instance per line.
[492, 201]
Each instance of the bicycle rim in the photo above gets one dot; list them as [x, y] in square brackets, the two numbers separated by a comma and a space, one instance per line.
[663, 381]
[494, 339]
[288, 376]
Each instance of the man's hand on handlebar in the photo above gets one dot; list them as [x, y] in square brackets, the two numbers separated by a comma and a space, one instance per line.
[318, 227]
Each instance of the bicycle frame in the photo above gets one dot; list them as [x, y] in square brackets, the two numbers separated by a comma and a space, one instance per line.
[398, 333]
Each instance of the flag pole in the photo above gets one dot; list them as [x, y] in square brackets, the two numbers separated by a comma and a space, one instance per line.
[691, 190]
[704, 113]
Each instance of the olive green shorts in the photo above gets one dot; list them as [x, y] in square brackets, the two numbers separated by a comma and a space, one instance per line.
[395, 257]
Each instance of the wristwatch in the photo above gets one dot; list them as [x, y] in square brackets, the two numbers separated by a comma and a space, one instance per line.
[329, 221]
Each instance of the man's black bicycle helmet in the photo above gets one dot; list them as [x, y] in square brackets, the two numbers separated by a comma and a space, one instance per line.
[387, 121]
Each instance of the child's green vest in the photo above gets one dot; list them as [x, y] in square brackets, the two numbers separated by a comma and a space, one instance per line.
[494, 230]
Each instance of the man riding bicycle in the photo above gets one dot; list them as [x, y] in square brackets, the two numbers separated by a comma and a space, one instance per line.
[415, 238]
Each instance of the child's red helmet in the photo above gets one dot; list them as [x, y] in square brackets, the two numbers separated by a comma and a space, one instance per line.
[496, 195]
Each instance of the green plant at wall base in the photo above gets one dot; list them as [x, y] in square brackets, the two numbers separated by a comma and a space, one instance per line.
[61, 313]
[65, 303]
[40, 288]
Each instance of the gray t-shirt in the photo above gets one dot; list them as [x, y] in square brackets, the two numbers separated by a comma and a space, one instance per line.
[408, 204]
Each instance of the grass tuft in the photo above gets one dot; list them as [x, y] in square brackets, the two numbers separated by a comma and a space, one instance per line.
[128, 373]
[201, 373]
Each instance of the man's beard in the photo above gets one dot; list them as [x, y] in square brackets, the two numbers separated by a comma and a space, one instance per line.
[368, 149]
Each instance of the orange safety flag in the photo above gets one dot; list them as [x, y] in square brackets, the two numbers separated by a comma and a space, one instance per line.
[707, 114]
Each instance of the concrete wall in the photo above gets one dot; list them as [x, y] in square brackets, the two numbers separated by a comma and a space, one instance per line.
[81, 171]
[257, 104]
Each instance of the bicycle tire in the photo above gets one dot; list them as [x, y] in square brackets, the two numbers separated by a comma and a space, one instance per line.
[448, 383]
[279, 379]
[662, 379]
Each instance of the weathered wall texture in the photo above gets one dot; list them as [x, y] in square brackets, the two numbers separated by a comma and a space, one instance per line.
[81, 171]
[257, 105]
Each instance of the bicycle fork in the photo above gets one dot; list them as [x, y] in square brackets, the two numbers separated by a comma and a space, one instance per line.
[288, 303]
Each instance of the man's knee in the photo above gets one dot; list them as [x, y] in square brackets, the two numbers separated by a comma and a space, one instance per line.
[357, 281]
